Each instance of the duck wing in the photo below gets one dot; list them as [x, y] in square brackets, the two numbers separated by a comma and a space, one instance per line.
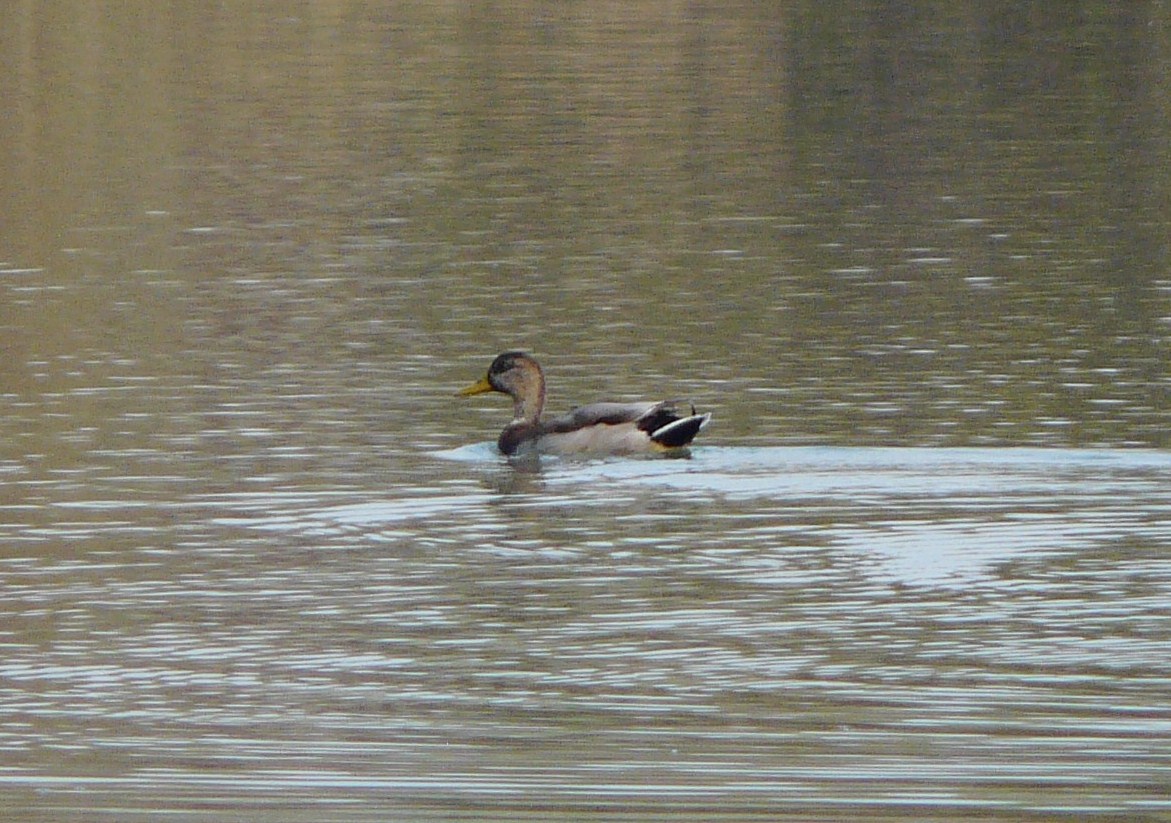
[623, 427]
[600, 414]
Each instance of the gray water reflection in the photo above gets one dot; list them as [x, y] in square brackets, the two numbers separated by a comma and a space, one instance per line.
[780, 629]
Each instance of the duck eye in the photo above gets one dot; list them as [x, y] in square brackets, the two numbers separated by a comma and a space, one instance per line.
[502, 364]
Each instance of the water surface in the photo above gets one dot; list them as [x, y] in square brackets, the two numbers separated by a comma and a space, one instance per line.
[258, 564]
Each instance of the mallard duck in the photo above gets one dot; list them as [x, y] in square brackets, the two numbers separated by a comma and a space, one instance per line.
[599, 428]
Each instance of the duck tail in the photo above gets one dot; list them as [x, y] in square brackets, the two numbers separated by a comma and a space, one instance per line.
[680, 432]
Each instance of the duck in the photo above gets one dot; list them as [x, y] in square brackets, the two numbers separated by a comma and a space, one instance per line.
[605, 428]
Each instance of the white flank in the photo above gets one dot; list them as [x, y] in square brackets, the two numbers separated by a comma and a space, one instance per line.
[623, 438]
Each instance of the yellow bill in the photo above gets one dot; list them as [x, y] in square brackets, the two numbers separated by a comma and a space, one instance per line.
[479, 387]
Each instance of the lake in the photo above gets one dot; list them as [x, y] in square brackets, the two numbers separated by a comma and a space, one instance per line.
[258, 563]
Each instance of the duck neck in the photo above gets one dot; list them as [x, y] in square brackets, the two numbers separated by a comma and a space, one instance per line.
[528, 394]
[527, 406]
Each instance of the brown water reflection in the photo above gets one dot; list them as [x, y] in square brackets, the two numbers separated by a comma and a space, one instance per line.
[255, 562]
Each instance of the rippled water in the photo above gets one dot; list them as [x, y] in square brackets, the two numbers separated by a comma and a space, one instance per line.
[257, 563]
[800, 630]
